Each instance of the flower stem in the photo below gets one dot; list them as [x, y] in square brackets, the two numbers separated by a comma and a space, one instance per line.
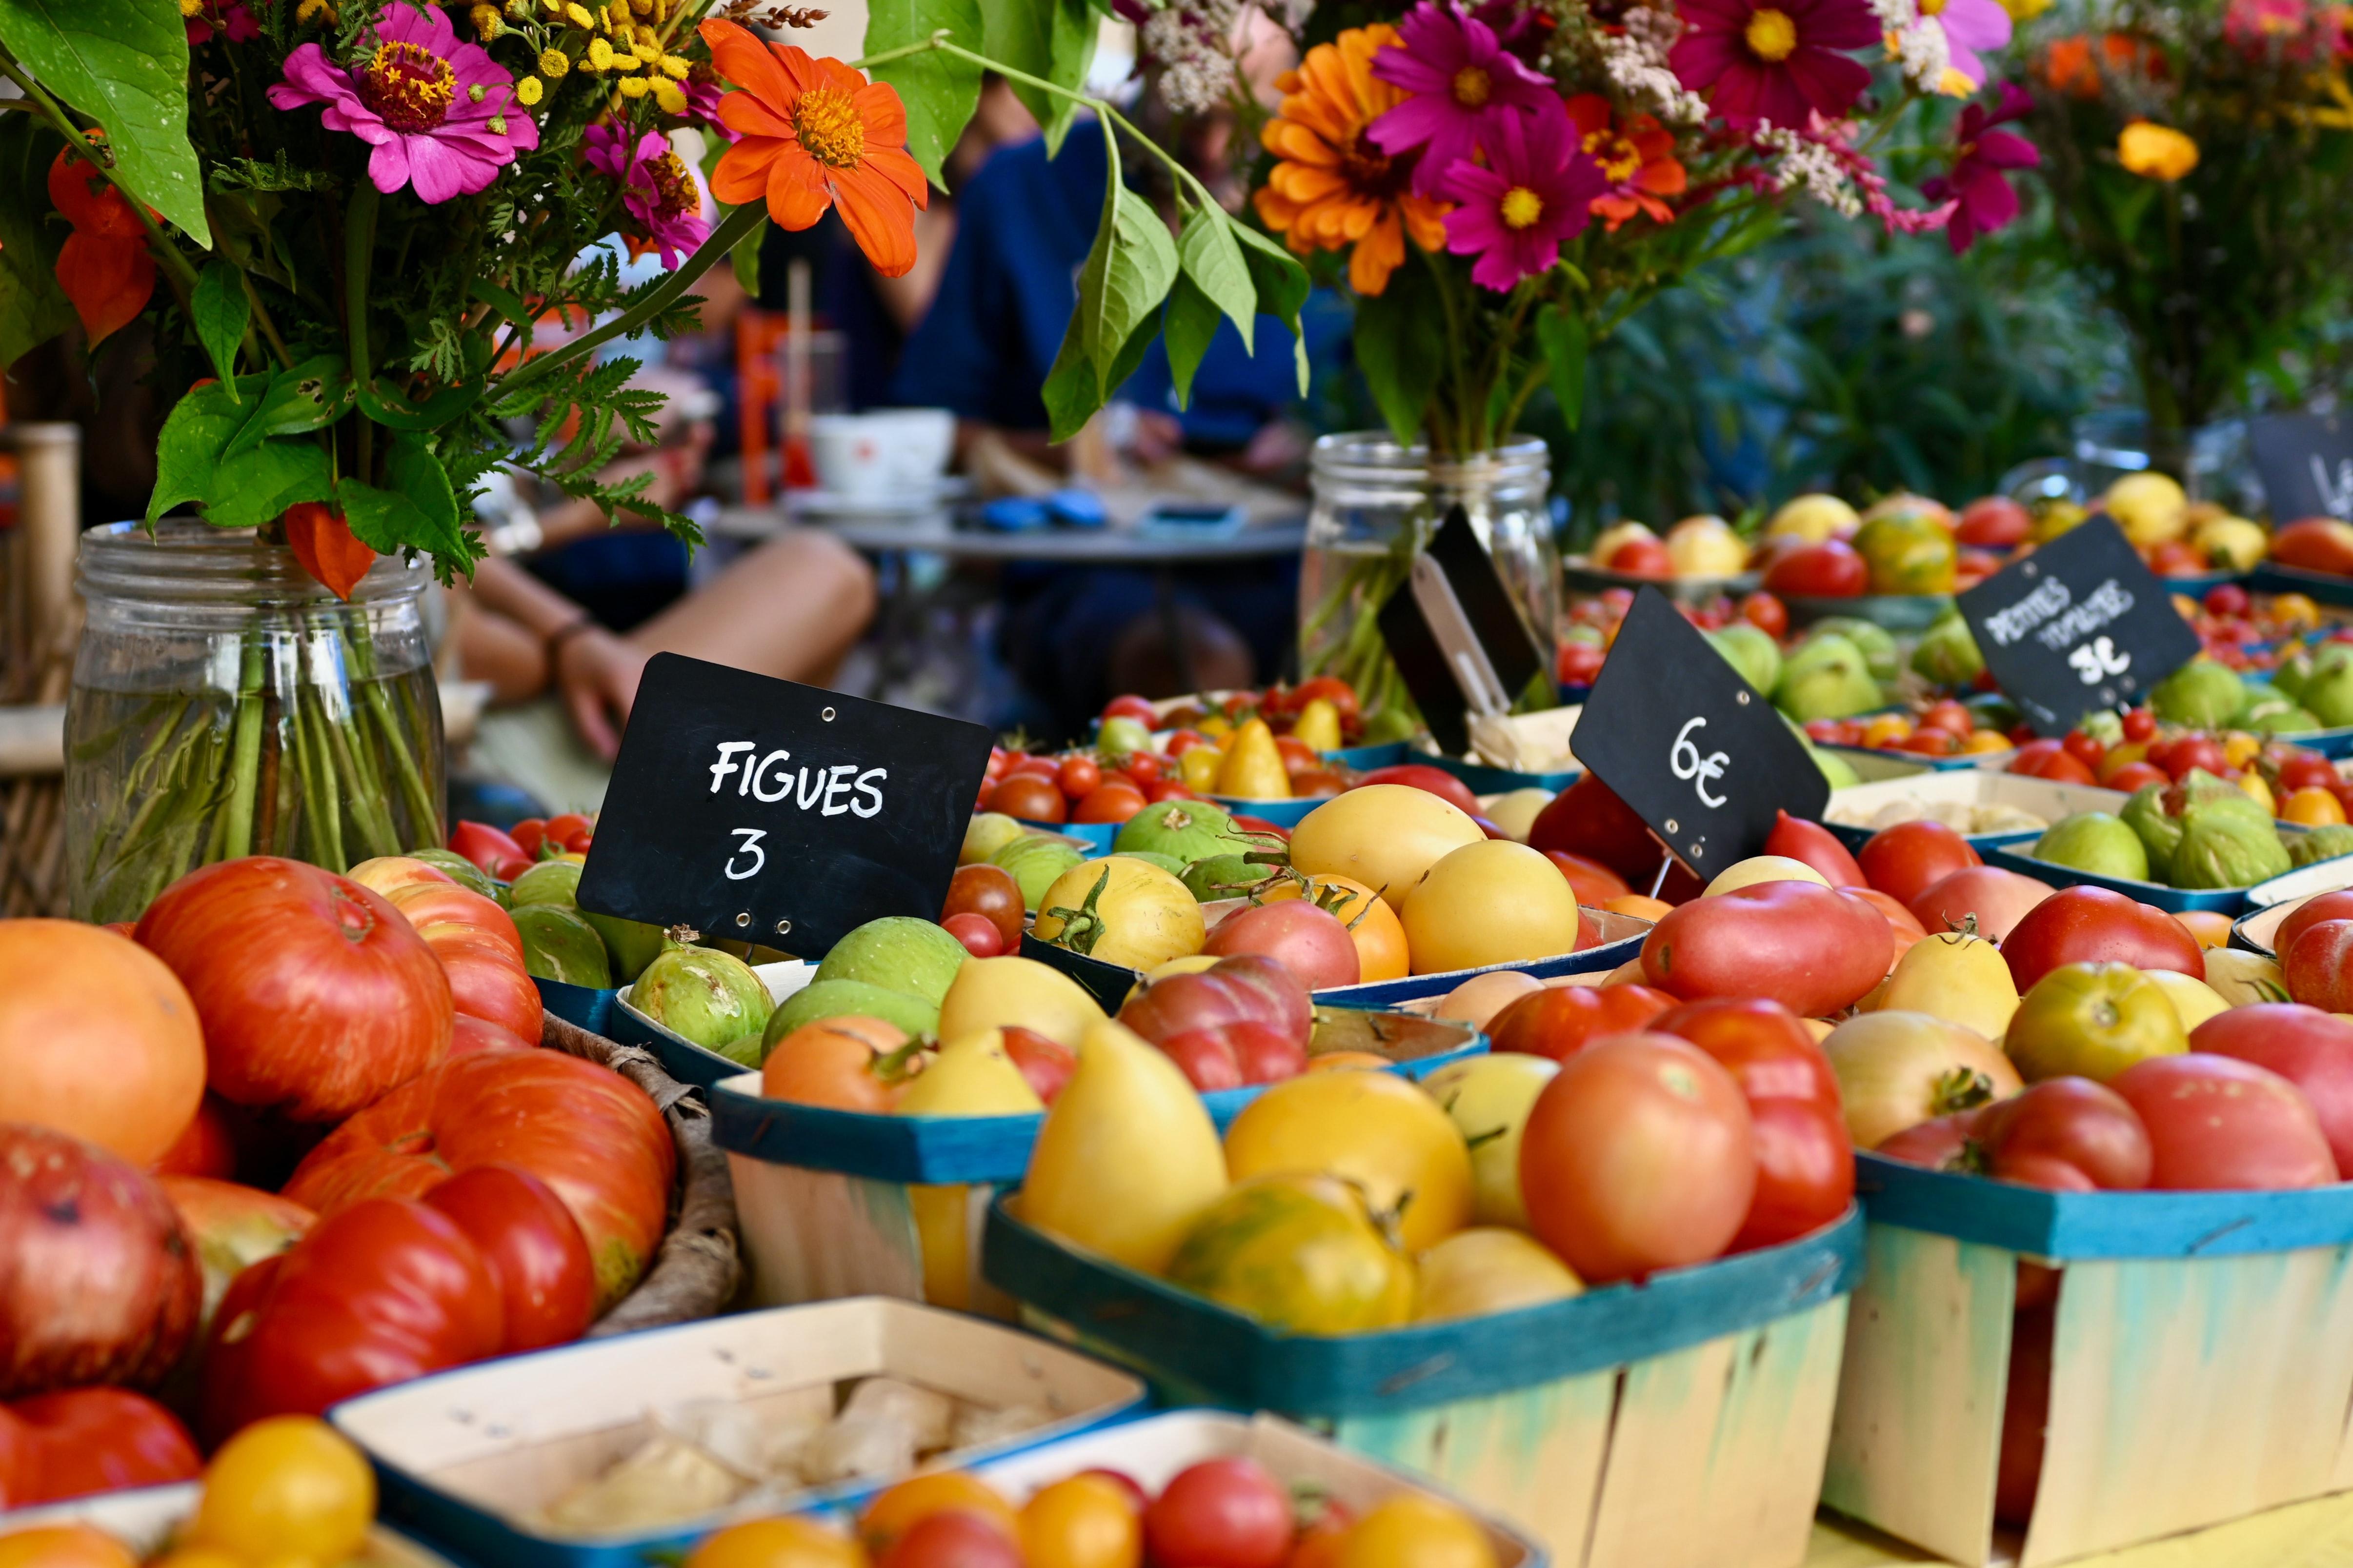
[246, 757]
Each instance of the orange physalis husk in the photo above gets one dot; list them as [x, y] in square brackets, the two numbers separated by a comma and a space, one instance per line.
[814, 133]
[109, 280]
[323, 543]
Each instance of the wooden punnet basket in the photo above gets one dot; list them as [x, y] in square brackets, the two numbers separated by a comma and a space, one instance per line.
[2201, 1367]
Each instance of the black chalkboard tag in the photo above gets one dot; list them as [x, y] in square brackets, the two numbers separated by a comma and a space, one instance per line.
[2306, 464]
[1701, 757]
[761, 810]
[2081, 624]
[1456, 635]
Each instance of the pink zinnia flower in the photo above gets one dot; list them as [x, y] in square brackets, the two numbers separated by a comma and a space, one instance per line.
[1463, 85]
[1536, 192]
[1775, 62]
[231, 21]
[440, 114]
[1971, 28]
[702, 107]
[657, 188]
[1978, 186]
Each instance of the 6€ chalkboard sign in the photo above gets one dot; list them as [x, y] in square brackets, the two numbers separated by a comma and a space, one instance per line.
[764, 811]
[2082, 624]
[1457, 637]
[1676, 734]
[2306, 464]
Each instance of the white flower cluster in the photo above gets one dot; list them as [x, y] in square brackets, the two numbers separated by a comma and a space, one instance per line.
[1803, 164]
[1636, 62]
[1186, 39]
[1917, 43]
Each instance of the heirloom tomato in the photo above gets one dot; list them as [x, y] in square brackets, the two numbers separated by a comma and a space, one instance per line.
[1558, 1021]
[1219, 1513]
[1811, 949]
[2310, 1048]
[1805, 1161]
[2092, 925]
[78, 1441]
[2067, 1134]
[1907, 859]
[547, 1283]
[2219, 1123]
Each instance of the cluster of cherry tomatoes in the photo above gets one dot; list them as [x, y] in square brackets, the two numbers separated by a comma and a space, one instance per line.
[508, 854]
[1948, 728]
[1593, 626]
[2242, 630]
[2293, 776]
[1078, 786]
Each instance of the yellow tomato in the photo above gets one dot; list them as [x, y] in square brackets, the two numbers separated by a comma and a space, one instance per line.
[1409, 1531]
[1382, 836]
[1216, 726]
[1490, 902]
[1379, 935]
[2252, 785]
[1387, 1135]
[1985, 741]
[64, 1546]
[1198, 768]
[287, 1487]
[1886, 730]
[2240, 748]
[2120, 757]
[2313, 806]
[2295, 610]
[777, 1544]
[1086, 1521]
[916, 1499]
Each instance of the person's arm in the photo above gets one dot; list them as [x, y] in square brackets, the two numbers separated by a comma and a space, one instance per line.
[595, 672]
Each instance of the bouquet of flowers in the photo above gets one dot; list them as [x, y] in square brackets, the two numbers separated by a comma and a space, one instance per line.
[1507, 184]
[2200, 155]
[355, 226]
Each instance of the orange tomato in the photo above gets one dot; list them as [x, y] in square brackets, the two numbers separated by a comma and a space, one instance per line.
[777, 1544]
[1086, 1521]
[847, 1063]
[1379, 935]
[2211, 926]
[1347, 1061]
[1641, 906]
[1986, 740]
[912, 1501]
[1886, 729]
[64, 1546]
[2314, 807]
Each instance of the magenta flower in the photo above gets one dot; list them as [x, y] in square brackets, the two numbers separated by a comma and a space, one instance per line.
[1971, 28]
[1776, 62]
[231, 21]
[1463, 85]
[657, 190]
[440, 114]
[702, 107]
[1979, 185]
[1536, 192]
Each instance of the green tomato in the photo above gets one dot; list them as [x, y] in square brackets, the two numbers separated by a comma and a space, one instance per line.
[2092, 1020]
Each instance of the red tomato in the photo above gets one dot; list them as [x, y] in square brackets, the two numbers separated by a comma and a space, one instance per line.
[583, 1129]
[2092, 925]
[1767, 613]
[1642, 558]
[1639, 1155]
[1811, 948]
[2176, 558]
[1805, 1159]
[1587, 819]
[1558, 1021]
[1047, 768]
[2067, 1134]
[1995, 899]
[313, 992]
[998, 758]
[1132, 707]
[2226, 599]
[1167, 789]
[2306, 770]
[989, 891]
[1580, 662]
[570, 831]
[1114, 801]
[1219, 1513]
[1184, 741]
[546, 1280]
[1046, 1065]
[953, 1538]
[1930, 743]
[1308, 940]
[80, 1441]
[1830, 570]
[2195, 751]
[2136, 775]
[1028, 796]
[1593, 882]
[2318, 965]
[1939, 1143]
[1079, 776]
[385, 1291]
[485, 845]
[2310, 1048]
[1815, 845]
[2337, 906]
[1296, 755]
[2140, 724]
[2049, 760]
[2219, 1123]
[1993, 522]
[207, 1149]
[2083, 748]
[1142, 767]
[1951, 716]
[529, 833]
[1422, 776]
[1905, 860]
[1332, 689]
[480, 950]
[977, 933]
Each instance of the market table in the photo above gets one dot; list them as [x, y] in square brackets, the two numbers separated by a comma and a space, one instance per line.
[2316, 1534]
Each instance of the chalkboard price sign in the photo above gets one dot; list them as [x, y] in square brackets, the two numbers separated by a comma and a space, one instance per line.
[2306, 464]
[2080, 625]
[761, 810]
[1459, 640]
[1677, 735]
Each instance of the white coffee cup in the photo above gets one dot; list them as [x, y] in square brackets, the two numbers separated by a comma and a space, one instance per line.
[851, 455]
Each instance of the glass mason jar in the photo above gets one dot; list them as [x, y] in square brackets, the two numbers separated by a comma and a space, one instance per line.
[1376, 506]
[224, 703]
[2213, 462]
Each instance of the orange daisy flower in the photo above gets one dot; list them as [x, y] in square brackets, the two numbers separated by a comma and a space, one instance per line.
[1332, 186]
[1637, 159]
[814, 134]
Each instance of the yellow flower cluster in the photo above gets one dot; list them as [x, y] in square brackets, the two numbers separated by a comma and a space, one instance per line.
[2155, 152]
[619, 43]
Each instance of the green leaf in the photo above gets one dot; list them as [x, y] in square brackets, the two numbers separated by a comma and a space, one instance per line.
[388, 407]
[256, 485]
[188, 450]
[1563, 338]
[745, 258]
[308, 397]
[1212, 258]
[124, 63]
[1128, 273]
[940, 90]
[32, 308]
[416, 509]
[221, 312]
[1401, 348]
[1192, 323]
[1281, 280]
[1050, 38]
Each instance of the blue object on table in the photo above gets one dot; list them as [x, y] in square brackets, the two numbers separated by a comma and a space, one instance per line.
[1075, 508]
[1191, 519]
[1014, 514]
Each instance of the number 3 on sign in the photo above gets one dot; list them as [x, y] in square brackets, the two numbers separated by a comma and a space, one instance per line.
[1687, 763]
[2098, 660]
[751, 846]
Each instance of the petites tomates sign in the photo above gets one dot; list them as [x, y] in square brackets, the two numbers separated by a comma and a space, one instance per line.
[2306, 464]
[2081, 624]
[1701, 756]
[766, 811]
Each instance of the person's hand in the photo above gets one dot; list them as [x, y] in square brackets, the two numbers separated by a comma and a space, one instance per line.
[598, 674]
[1157, 439]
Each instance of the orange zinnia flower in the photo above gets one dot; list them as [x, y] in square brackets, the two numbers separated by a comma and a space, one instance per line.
[815, 134]
[1638, 159]
[1332, 186]
[2070, 66]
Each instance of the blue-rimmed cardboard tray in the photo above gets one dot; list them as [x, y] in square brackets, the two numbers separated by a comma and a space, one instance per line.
[1481, 778]
[2323, 587]
[1630, 1425]
[2270, 903]
[1850, 810]
[2201, 1360]
[471, 1458]
[2232, 901]
[682, 1058]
